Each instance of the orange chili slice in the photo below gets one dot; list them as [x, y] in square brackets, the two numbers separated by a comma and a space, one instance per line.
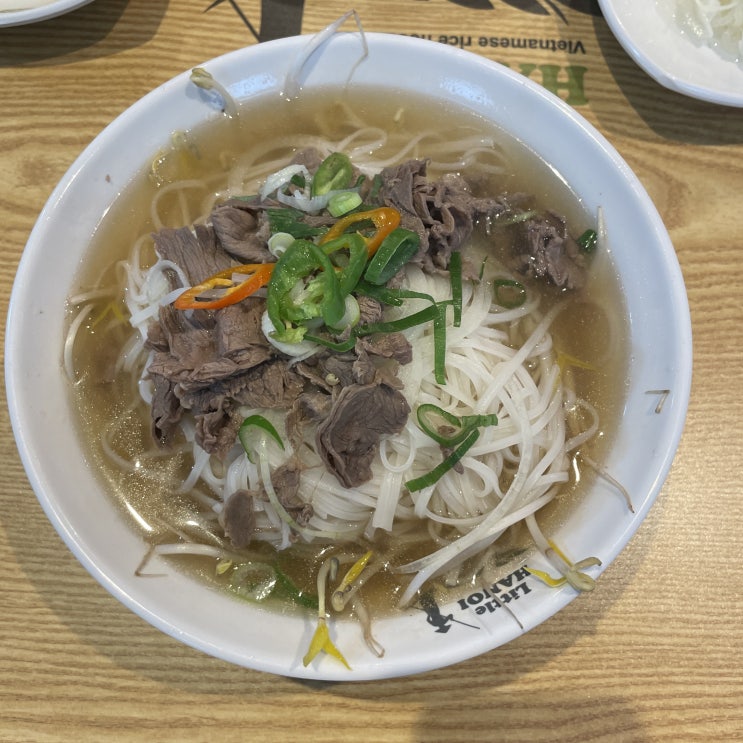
[259, 275]
[385, 219]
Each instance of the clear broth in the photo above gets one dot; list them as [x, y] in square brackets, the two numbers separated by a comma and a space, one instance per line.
[593, 327]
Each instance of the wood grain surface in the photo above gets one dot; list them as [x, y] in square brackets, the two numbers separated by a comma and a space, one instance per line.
[654, 654]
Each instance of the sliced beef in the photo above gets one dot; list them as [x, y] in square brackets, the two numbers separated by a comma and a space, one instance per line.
[166, 410]
[389, 345]
[347, 440]
[186, 342]
[208, 363]
[369, 368]
[238, 518]
[243, 229]
[364, 369]
[370, 310]
[442, 212]
[285, 480]
[270, 385]
[238, 328]
[543, 249]
[309, 407]
[216, 430]
[196, 251]
[328, 370]
[339, 368]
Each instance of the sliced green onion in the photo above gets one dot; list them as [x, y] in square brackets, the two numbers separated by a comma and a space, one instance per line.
[403, 323]
[285, 586]
[290, 220]
[426, 411]
[393, 297]
[509, 293]
[394, 252]
[351, 316]
[587, 241]
[257, 421]
[392, 326]
[380, 293]
[449, 463]
[439, 343]
[337, 346]
[455, 277]
[344, 202]
[461, 427]
[376, 186]
[335, 172]
[279, 242]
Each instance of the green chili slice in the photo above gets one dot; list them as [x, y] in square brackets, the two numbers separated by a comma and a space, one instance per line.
[335, 173]
[394, 252]
[509, 293]
[289, 301]
[449, 463]
[588, 241]
[352, 262]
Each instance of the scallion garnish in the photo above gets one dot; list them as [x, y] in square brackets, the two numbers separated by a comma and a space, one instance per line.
[448, 429]
[286, 586]
[455, 277]
[343, 202]
[391, 326]
[290, 220]
[449, 463]
[587, 241]
[509, 293]
[439, 343]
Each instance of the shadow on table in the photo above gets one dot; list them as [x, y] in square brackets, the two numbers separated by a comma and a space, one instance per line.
[88, 32]
[671, 115]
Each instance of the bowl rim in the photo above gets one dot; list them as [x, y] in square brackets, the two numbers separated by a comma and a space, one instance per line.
[184, 629]
[641, 31]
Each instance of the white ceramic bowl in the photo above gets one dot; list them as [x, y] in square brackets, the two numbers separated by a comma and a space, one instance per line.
[649, 35]
[71, 494]
[30, 11]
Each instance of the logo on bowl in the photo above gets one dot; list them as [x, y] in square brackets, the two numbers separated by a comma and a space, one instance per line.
[480, 603]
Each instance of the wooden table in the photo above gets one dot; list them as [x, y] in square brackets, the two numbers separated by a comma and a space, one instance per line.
[655, 654]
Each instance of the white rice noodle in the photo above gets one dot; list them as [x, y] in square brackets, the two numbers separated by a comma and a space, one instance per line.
[527, 447]
[513, 469]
